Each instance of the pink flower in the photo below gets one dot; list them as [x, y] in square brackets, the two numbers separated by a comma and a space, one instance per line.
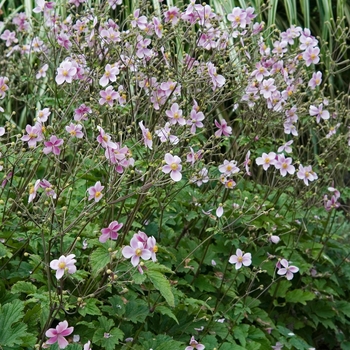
[172, 15]
[43, 115]
[238, 18]
[173, 167]
[65, 72]
[240, 259]
[104, 139]
[319, 112]
[196, 120]
[147, 136]
[58, 334]
[278, 346]
[81, 112]
[42, 71]
[108, 96]
[311, 55]
[10, 37]
[75, 130]
[32, 191]
[95, 191]
[110, 232]
[135, 251]
[201, 177]
[286, 147]
[3, 86]
[43, 6]
[158, 27]
[152, 247]
[64, 263]
[217, 79]
[219, 211]
[192, 157]
[194, 345]
[34, 135]
[140, 21]
[286, 269]
[53, 145]
[306, 174]
[63, 40]
[274, 239]
[284, 165]
[224, 129]
[229, 167]
[247, 162]
[87, 346]
[267, 87]
[164, 135]
[266, 160]
[48, 188]
[175, 115]
[111, 71]
[316, 80]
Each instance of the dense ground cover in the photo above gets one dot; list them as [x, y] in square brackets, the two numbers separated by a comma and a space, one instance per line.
[174, 178]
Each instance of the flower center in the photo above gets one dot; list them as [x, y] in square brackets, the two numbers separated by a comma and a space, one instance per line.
[31, 190]
[73, 132]
[284, 166]
[138, 251]
[61, 265]
[229, 168]
[97, 194]
[32, 135]
[149, 135]
[240, 258]
[65, 73]
[174, 166]
[267, 160]
[155, 249]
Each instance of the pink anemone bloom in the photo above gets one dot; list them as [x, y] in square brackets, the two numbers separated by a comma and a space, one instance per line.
[240, 259]
[58, 334]
[135, 251]
[95, 192]
[110, 232]
[173, 167]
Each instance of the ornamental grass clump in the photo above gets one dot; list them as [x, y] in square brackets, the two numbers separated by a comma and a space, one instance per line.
[143, 156]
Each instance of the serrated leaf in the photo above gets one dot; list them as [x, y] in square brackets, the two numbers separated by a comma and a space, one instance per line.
[99, 259]
[299, 296]
[89, 308]
[240, 333]
[4, 252]
[279, 290]
[157, 267]
[160, 282]
[10, 332]
[136, 311]
[163, 310]
[23, 287]
[108, 339]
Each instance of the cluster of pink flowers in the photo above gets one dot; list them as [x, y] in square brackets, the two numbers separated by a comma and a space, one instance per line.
[141, 246]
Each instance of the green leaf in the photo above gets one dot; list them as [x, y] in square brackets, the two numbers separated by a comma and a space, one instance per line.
[157, 267]
[99, 259]
[160, 282]
[136, 310]
[23, 287]
[241, 333]
[299, 296]
[163, 310]
[4, 252]
[90, 308]
[279, 290]
[11, 331]
[108, 339]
